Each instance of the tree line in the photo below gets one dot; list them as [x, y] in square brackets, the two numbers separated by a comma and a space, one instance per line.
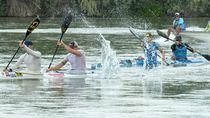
[105, 8]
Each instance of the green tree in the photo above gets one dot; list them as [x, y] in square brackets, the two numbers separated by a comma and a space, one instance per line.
[2, 7]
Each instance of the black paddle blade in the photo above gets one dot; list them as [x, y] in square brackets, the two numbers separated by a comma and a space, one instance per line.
[33, 26]
[137, 36]
[66, 22]
[162, 34]
[134, 33]
[207, 57]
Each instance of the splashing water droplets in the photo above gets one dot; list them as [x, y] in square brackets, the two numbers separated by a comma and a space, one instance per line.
[110, 63]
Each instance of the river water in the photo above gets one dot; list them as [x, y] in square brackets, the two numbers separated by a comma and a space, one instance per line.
[135, 93]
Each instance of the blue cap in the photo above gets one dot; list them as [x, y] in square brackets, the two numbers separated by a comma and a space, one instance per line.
[178, 38]
[28, 42]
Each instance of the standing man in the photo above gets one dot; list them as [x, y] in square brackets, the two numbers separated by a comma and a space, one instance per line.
[76, 57]
[178, 25]
[150, 51]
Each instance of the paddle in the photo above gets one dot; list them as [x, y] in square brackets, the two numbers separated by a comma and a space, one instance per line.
[64, 27]
[138, 37]
[33, 26]
[207, 57]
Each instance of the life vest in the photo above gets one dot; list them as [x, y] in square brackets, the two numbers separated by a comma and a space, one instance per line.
[180, 52]
[180, 22]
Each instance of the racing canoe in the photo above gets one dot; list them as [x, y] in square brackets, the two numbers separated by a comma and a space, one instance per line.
[57, 74]
[140, 63]
[10, 76]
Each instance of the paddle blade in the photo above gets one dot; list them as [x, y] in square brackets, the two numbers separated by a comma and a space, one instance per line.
[66, 22]
[134, 33]
[162, 34]
[207, 57]
[33, 26]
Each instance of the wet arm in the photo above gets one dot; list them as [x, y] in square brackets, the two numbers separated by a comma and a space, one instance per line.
[162, 52]
[18, 63]
[58, 66]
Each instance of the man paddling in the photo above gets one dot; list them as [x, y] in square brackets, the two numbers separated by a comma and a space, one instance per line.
[32, 58]
[150, 51]
[178, 25]
[76, 57]
[179, 49]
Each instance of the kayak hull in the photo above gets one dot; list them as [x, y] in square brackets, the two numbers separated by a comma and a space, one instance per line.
[23, 77]
[140, 63]
[54, 74]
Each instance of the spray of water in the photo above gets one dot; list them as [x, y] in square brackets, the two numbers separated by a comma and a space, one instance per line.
[110, 63]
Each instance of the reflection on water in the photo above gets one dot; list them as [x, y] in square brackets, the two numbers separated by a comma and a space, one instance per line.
[167, 92]
[130, 97]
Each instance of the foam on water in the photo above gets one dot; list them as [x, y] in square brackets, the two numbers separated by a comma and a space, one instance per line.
[195, 28]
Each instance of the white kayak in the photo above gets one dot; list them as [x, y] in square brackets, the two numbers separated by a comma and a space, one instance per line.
[57, 74]
[6, 76]
[10, 76]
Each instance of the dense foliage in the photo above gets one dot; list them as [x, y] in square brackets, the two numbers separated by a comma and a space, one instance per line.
[105, 8]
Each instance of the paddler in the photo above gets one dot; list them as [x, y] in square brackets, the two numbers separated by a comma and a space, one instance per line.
[178, 25]
[76, 58]
[179, 49]
[150, 51]
[31, 58]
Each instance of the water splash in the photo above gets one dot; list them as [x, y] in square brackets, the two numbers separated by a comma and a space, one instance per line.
[110, 63]
[109, 59]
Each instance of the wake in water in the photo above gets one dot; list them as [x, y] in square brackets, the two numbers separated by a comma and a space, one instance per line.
[110, 63]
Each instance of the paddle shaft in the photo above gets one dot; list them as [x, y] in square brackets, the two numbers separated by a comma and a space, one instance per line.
[12, 58]
[64, 27]
[57, 46]
[15, 53]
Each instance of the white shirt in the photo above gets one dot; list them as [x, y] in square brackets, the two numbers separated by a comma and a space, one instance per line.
[78, 63]
[32, 60]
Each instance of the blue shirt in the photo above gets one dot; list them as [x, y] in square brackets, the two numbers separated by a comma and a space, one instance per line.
[179, 22]
[150, 52]
[179, 51]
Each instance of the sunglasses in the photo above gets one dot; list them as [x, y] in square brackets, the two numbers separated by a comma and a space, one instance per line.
[72, 44]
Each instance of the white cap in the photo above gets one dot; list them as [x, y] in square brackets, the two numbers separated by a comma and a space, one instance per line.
[74, 43]
[177, 14]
